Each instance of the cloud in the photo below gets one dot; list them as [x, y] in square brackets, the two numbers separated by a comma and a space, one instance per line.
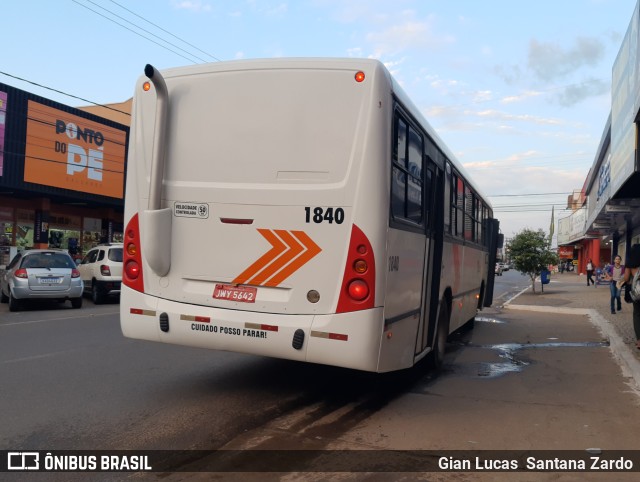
[549, 61]
[576, 93]
[192, 5]
[409, 34]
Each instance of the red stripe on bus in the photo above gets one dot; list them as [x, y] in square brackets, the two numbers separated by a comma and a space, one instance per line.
[338, 336]
[268, 328]
[203, 319]
[135, 311]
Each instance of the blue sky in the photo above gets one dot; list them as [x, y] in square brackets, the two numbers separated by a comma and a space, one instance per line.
[520, 91]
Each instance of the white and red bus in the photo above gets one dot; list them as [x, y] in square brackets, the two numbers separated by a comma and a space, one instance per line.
[301, 209]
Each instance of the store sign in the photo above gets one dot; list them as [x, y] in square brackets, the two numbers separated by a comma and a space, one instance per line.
[67, 151]
[565, 251]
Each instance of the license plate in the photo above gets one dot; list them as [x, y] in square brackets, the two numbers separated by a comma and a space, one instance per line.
[50, 281]
[243, 294]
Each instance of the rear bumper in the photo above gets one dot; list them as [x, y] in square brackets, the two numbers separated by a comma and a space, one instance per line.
[23, 293]
[350, 340]
[111, 287]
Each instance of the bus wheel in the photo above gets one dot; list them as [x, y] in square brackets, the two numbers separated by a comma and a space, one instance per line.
[440, 341]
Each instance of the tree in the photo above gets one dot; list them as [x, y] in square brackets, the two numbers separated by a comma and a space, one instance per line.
[531, 253]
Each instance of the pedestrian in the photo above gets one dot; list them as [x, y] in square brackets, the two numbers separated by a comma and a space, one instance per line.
[590, 273]
[614, 273]
[631, 266]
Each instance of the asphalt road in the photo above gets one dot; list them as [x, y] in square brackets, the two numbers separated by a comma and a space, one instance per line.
[70, 380]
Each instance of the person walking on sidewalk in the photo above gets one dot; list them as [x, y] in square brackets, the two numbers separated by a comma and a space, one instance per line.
[632, 265]
[614, 273]
[590, 273]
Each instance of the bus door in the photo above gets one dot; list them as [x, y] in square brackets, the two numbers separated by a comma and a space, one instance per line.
[433, 199]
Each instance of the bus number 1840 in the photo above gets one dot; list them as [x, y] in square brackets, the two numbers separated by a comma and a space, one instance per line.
[319, 215]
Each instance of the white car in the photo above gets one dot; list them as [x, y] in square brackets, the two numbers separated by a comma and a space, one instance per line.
[498, 269]
[101, 271]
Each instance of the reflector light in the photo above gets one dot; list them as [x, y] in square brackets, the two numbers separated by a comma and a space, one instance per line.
[146, 86]
[358, 290]
[132, 269]
[360, 76]
[362, 249]
[132, 249]
[360, 266]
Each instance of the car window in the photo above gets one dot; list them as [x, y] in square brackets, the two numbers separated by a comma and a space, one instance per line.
[93, 255]
[115, 254]
[47, 260]
[100, 255]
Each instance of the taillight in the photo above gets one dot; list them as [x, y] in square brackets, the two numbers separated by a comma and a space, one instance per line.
[104, 270]
[75, 273]
[21, 273]
[132, 256]
[359, 281]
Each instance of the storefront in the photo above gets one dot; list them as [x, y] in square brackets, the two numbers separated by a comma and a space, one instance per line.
[62, 173]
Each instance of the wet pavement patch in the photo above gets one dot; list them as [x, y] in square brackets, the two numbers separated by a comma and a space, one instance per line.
[512, 354]
[486, 319]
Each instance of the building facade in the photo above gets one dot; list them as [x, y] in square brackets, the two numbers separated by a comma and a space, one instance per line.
[606, 220]
[62, 175]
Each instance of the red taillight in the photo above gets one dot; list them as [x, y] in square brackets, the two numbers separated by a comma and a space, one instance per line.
[104, 270]
[358, 290]
[21, 273]
[359, 281]
[75, 273]
[132, 269]
[132, 275]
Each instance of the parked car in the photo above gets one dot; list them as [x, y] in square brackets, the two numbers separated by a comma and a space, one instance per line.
[498, 269]
[44, 274]
[101, 271]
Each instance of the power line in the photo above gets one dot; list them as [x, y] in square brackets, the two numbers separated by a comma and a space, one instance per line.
[137, 33]
[64, 93]
[144, 30]
[166, 31]
[532, 194]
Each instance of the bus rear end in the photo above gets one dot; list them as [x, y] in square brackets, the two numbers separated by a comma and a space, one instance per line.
[248, 226]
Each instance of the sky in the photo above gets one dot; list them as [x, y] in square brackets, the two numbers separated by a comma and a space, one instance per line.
[519, 91]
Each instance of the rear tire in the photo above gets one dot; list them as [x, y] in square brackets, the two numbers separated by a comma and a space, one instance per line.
[440, 341]
[96, 295]
[14, 305]
[76, 302]
[3, 298]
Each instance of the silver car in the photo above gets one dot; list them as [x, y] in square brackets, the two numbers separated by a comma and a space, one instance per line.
[47, 274]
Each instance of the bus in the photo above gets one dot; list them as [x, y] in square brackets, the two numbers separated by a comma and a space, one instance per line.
[302, 209]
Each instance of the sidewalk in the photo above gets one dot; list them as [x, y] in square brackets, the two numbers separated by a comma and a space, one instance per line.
[569, 293]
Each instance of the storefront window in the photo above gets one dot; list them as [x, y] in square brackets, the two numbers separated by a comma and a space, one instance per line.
[24, 228]
[64, 232]
[91, 234]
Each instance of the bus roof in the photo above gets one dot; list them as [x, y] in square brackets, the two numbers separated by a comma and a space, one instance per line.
[330, 63]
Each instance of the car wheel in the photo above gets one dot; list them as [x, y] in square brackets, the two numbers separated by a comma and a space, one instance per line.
[96, 295]
[14, 305]
[76, 302]
[3, 298]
